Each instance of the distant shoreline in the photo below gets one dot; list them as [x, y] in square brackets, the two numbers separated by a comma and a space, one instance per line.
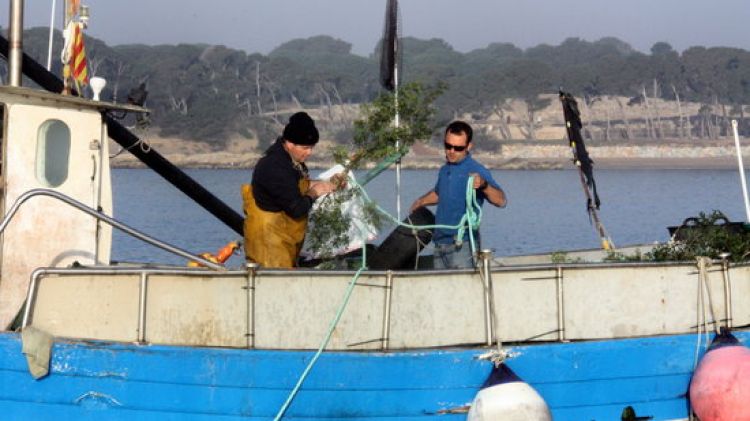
[706, 163]
[519, 155]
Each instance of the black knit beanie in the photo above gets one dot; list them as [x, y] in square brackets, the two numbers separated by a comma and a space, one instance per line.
[301, 129]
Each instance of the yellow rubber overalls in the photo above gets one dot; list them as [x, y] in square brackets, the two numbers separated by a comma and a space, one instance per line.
[272, 239]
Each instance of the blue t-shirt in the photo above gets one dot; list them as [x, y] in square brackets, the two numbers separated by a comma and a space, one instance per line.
[451, 191]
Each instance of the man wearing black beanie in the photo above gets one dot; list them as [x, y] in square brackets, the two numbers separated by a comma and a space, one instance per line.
[277, 203]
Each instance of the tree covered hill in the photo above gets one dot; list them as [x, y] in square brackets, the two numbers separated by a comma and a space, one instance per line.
[212, 93]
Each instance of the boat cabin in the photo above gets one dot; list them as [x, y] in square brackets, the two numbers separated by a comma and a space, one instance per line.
[57, 143]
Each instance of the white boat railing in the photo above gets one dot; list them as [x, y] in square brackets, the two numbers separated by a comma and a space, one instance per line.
[288, 309]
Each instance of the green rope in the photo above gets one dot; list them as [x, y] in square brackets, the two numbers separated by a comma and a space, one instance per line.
[471, 219]
[327, 338]
[382, 166]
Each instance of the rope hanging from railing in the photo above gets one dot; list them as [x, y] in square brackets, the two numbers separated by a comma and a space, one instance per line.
[470, 220]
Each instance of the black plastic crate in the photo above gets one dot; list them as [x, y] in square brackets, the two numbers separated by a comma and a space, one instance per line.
[691, 226]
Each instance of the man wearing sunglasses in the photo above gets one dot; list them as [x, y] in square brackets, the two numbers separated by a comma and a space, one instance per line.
[450, 196]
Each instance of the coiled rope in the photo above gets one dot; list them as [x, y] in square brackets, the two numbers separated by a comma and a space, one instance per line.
[470, 220]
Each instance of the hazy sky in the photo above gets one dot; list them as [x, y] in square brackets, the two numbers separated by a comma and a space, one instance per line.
[261, 25]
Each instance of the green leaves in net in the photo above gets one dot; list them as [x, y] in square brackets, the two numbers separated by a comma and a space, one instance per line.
[376, 135]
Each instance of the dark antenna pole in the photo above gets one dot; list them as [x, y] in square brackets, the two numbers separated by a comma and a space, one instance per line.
[390, 61]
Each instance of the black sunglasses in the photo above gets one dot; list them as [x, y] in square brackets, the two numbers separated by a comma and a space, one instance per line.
[456, 148]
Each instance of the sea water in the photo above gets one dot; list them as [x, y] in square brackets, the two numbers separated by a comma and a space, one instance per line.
[546, 210]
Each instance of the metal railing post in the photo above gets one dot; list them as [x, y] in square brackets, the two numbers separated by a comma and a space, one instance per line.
[142, 308]
[560, 305]
[30, 297]
[727, 290]
[386, 332]
[252, 272]
[485, 256]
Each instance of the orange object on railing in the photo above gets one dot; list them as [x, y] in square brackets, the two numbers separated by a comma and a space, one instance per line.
[221, 256]
[227, 251]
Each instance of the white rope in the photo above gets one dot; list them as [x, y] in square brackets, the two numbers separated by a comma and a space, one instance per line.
[702, 311]
[707, 286]
[497, 356]
[67, 41]
[142, 144]
[418, 241]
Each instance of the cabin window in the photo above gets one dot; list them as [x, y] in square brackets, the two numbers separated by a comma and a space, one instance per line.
[52, 153]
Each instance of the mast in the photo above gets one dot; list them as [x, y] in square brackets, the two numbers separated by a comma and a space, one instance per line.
[51, 34]
[397, 123]
[389, 66]
[68, 13]
[15, 39]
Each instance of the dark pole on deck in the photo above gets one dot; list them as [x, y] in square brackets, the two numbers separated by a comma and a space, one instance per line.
[152, 159]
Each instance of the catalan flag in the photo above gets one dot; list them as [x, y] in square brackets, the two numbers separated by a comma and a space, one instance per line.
[78, 57]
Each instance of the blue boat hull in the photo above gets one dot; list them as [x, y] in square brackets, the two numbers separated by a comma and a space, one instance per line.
[579, 381]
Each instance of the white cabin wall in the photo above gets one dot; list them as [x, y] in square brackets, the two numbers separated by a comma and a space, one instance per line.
[45, 231]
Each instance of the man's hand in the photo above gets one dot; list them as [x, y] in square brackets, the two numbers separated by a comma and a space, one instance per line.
[319, 188]
[416, 205]
[495, 195]
[479, 182]
[339, 180]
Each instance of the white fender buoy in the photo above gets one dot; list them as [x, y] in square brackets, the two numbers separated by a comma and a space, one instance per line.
[720, 387]
[506, 397]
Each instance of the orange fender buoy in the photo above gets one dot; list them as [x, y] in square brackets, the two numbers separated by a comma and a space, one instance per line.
[720, 387]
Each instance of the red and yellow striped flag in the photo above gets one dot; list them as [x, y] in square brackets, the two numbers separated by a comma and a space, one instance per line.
[78, 58]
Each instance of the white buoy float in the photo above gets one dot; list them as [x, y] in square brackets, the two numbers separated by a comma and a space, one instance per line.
[506, 397]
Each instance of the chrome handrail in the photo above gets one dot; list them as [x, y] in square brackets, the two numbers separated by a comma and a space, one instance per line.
[111, 221]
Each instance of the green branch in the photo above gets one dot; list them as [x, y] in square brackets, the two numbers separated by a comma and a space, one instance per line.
[374, 141]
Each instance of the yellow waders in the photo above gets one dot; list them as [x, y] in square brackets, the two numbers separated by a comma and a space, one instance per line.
[272, 239]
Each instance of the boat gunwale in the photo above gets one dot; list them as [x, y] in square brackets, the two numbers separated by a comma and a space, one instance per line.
[151, 268]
